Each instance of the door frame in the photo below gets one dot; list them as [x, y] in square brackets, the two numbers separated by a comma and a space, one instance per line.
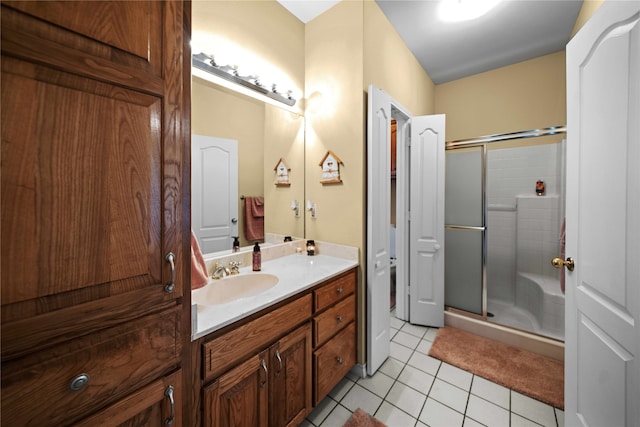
[403, 121]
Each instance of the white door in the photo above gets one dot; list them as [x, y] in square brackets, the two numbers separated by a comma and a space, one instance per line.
[378, 220]
[602, 344]
[426, 219]
[214, 192]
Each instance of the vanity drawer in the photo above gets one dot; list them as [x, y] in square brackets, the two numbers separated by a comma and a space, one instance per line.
[333, 360]
[116, 361]
[223, 352]
[326, 324]
[334, 291]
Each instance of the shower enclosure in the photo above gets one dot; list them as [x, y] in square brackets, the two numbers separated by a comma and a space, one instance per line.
[504, 210]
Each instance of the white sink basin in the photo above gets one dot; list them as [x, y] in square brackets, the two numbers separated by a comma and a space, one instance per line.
[233, 287]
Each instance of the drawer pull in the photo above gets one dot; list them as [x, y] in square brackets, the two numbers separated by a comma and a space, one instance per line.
[339, 319]
[340, 291]
[339, 360]
[169, 393]
[170, 258]
[279, 363]
[266, 373]
[79, 382]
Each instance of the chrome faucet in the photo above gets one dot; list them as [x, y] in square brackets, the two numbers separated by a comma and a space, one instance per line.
[220, 271]
[234, 266]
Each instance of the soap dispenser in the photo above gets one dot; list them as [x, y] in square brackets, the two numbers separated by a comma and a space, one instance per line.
[236, 243]
[257, 257]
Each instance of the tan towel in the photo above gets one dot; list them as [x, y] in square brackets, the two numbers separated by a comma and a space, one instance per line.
[199, 276]
[254, 218]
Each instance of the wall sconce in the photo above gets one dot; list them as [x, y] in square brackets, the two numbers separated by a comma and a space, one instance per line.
[311, 207]
[296, 207]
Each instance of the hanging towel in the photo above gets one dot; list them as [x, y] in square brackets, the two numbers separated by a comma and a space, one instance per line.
[562, 251]
[254, 218]
[199, 276]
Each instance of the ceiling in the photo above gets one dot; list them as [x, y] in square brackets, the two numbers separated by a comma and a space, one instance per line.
[515, 31]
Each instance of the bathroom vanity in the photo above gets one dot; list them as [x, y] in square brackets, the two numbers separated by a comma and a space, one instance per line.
[269, 358]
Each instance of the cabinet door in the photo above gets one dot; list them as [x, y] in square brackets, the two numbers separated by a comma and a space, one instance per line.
[91, 165]
[239, 398]
[158, 404]
[290, 378]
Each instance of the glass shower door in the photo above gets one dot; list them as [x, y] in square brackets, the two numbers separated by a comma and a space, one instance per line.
[465, 229]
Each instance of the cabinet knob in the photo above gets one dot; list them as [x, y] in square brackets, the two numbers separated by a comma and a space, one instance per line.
[339, 360]
[339, 290]
[79, 382]
[339, 319]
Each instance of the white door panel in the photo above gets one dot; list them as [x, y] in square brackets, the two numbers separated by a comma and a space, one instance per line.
[214, 189]
[426, 230]
[602, 373]
[378, 220]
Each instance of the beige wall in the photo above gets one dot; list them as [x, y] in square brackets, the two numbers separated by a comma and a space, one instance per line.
[523, 96]
[527, 95]
[265, 29]
[283, 138]
[335, 121]
[349, 47]
[390, 65]
[588, 8]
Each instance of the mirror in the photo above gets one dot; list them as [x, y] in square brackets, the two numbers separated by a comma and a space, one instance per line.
[267, 137]
[270, 137]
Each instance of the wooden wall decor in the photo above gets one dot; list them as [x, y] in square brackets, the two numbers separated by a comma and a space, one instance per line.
[330, 164]
[282, 173]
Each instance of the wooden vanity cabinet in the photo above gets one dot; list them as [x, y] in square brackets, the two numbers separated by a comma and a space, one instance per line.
[272, 368]
[261, 370]
[334, 338]
[94, 95]
[271, 388]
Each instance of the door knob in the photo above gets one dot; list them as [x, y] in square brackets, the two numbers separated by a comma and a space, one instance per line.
[559, 263]
[234, 220]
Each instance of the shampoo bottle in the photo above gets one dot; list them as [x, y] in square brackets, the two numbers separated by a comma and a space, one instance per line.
[257, 257]
[236, 243]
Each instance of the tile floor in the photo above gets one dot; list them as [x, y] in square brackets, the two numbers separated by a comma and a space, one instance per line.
[412, 389]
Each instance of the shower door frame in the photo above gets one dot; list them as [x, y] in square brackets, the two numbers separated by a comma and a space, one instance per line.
[482, 142]
[482, 229]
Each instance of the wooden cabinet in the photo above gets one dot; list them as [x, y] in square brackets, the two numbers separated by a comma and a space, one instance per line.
[271, 368]
[334, 335]
[93, 132]
[157, 404]
[239, 397]
[271, 388]
[290, 378]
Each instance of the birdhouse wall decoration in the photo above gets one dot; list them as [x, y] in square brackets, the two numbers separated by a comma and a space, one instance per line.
[282, 173]
[330, 164]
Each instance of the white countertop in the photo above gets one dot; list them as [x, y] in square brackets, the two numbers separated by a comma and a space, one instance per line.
[295, 273]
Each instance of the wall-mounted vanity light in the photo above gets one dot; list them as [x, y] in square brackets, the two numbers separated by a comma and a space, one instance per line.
[230, 73]
[311, 207]
[296, 207]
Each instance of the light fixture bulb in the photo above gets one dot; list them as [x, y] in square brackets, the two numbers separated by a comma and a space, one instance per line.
[464, 10]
